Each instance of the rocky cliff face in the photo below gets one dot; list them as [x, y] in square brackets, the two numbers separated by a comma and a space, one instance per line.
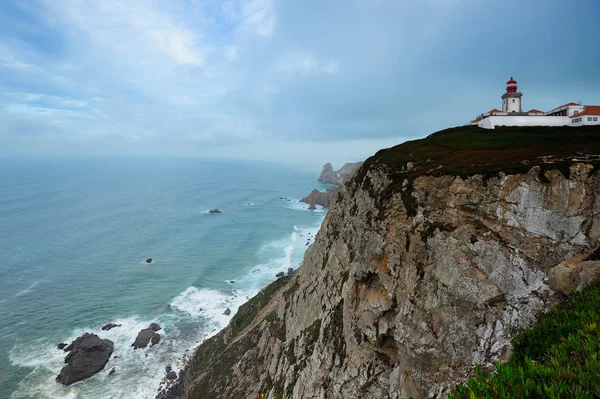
[410, 282]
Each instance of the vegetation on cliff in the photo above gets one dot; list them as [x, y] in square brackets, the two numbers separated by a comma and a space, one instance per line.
[558, 357]
[469, 150]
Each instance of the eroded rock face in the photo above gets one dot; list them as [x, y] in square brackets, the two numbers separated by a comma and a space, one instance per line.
[574, 275]
[89, 355]
[404, 291]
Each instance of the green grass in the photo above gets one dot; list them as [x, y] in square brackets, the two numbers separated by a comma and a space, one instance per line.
[558, 357]
[469, 150]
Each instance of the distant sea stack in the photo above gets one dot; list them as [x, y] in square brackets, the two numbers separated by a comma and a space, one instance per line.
[334, 178]
[338, 177]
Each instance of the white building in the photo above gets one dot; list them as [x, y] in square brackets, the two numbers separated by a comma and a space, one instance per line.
[571, 114]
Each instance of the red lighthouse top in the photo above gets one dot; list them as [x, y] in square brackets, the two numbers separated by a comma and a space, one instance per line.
[511, 86]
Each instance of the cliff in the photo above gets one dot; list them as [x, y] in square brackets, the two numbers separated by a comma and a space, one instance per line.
[339, 177]
[434, 255]
[322, 198]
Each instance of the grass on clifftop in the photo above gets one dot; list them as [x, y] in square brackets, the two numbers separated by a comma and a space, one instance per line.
[558, 357]
[470, 150]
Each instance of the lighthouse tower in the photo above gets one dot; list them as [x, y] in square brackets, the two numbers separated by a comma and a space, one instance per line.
[511, 100]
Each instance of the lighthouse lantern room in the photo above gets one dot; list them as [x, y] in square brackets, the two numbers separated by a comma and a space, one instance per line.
[511, 100]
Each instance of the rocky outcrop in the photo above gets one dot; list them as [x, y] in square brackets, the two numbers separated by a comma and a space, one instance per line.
[339, 177]
[322, 198]
[89, 355]
[147, 336]
[574, 275]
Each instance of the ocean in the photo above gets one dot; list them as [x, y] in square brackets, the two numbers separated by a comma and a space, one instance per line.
[74, 237]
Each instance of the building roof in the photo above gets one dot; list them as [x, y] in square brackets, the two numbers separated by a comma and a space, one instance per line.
[589, 110]
[569, 104]
[511, 81]
[493, 110]
[531, 111]
[473, 121]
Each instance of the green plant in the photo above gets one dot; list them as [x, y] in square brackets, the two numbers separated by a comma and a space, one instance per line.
[558, 357]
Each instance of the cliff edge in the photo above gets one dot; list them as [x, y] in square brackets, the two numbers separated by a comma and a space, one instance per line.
[433, 256]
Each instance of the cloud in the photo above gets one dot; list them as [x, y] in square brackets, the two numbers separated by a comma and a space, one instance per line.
[199, 76]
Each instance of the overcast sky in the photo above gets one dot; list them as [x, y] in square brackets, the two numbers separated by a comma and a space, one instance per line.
[303, 81]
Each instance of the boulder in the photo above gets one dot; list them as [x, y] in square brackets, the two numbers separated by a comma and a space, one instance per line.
[171, 375]
[573, 275]
[280, 274]
[68, 348]
[108, 326]
[112, 371]
[214, 211]
[149, 260]
[61, 346]
[144, 337]
[89, 355]
[227, 312]
[154, 327]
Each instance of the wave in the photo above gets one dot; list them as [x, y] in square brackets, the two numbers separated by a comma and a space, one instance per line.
[190, 317]
[27, 290]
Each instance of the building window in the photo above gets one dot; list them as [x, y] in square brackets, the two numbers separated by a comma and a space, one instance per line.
[595, 118]
[513, 100]
[589, 118]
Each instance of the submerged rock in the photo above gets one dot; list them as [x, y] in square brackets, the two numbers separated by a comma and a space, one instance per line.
[112, 371]
[214, 211]
[280, 274]
[149, 260]
[227, 312]
[61, 346]
[109, 326]
[89, 355]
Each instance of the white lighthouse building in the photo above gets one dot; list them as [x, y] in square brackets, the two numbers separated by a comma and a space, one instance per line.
[511, 100]
[570, 114]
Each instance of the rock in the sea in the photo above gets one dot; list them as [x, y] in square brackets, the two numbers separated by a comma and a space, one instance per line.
[290, 270]
[155, 339]
[149, 260]
[68, 348]
[61, 346]
[154, 327]
[112, 371]
[144, 337]
[89, 355]
[231, 281]
[322, 198]
[214, 211]
[227, 312]
[280, 274]
[108, 326]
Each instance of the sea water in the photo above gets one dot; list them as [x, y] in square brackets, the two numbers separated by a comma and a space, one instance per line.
[74, 237]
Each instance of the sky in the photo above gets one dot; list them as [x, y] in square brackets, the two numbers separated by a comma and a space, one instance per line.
[296, 81]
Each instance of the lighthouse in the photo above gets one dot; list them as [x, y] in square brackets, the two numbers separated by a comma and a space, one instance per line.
[511, 100]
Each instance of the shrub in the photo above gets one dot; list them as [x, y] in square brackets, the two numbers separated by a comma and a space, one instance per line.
[558, 357]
